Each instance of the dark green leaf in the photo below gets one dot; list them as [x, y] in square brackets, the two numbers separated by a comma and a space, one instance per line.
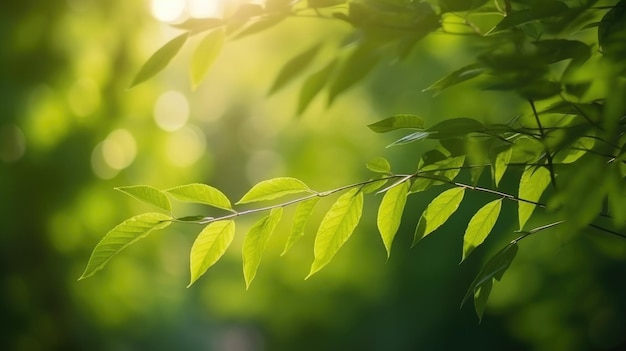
[160, 59]
[355, 68]
[455, 128]
[313, 85]
[460, 5]
[293, 68]
[456, 77]
[539, 10]
[402, 121]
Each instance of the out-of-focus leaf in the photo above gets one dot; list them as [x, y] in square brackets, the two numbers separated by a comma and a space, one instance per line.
[247, 11]
[460, 5]
[274, 188]
[455, 128]
[612, 32]
[262, 24]
[410, 138]
[255, 242]
[481, 295]
[575, 151]
[402, 121]
[379, 165]
[313, 85]
[147, 194]
[318, 4]
[390, 213]
[537, 11]
[300, 218]
[293, 68]
[533, 183]
[209, 247]
[205, 54]
[160, 59]
[336, 228]
[195, 25]
[355, 68]
[438, 212]
[461, 75]
[480, 226]
[202, 194]
[122, 236]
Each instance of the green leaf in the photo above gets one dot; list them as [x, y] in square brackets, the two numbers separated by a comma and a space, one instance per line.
[538, 11]
[379, 165]
[255, 242]
[355, 68]
[480, 226]
[262, 24]
[147, 194]
[454, 128]
[336, 228]
[481, 295]
[209, 247]
[201, 194]
[402, 121]
[196, 25]
[493, 269]
[122, 236]
[274, 188]
[390, 213]
[501, 164]
[460, 5]
[300, 218]
[313, 85]
[160, 59]
[409, 139]
[533, 183]
[293, 68]
[461, 75]
[446, 170]
[438, 212]
[205, 54]
[371, 187]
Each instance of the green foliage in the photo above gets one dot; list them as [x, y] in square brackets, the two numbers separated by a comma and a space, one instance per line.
[573, 143]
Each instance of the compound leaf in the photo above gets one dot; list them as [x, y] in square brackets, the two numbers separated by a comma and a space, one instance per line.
[209, 247]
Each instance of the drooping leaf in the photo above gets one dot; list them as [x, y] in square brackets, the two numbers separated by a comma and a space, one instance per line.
[576, 150]
[209, 247]
[500, 165]
[262, 24]
[195, 25]
[401, 121]
[612, 32]
[438, 212]
[336, 228]
[147, 194]
[480, 226]
[373, 186]
[481, 295]
[445, 170]
[255, 242]
[355, 68]
[122, 236]
[537, 11]
[205, 54]
[410, 138]
[493, 269]
[293, 68]
[160, 59]
[202, 194]
[533, 183]
[390, 213]
[313, 85]
[454, 128]
[300, 218]
[379, 165]
[274, 188]
[461, 75]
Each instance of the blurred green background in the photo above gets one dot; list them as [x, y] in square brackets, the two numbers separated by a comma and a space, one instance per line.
[71, 131]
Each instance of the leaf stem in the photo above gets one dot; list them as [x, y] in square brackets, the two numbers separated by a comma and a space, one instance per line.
[549, 159]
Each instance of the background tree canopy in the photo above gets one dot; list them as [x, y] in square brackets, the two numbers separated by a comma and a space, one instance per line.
[493, 104]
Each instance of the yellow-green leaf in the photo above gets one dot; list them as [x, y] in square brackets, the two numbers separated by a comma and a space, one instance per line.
[209, 247]
[205, 54]
[533, 183]
[480, 226]
[336, 228]
[390, 213]
[202, 194]
[502, 162]
[438, 212]
[147, 194]
[160, 59]
[120, 237]
[402, 121]
[379, 165]
[303, 212]
[255, 242]
[274, 188]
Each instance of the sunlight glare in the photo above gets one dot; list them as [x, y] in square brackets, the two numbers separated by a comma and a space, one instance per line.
[167, 10]
[171, 111]
[204, 8]
[119, 149]
[186, 146]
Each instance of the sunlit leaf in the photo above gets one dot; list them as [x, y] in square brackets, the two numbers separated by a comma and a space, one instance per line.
[147, 194]
[390, 213]
[533, 183]
[313, 85]
[160, 59]
[461, 75]
[300, 218]
[500, 165]
[293, 68]
[209, 247]
[205, 54]
[255, 242]
[202, 194]
[402, 121]
[454, 128]
[122, 236]
[446, 170]
[274, 188]
[336, 228]
[438, 212]
[480, 226]
[379, 165]
[410, 138]
[373, 186]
